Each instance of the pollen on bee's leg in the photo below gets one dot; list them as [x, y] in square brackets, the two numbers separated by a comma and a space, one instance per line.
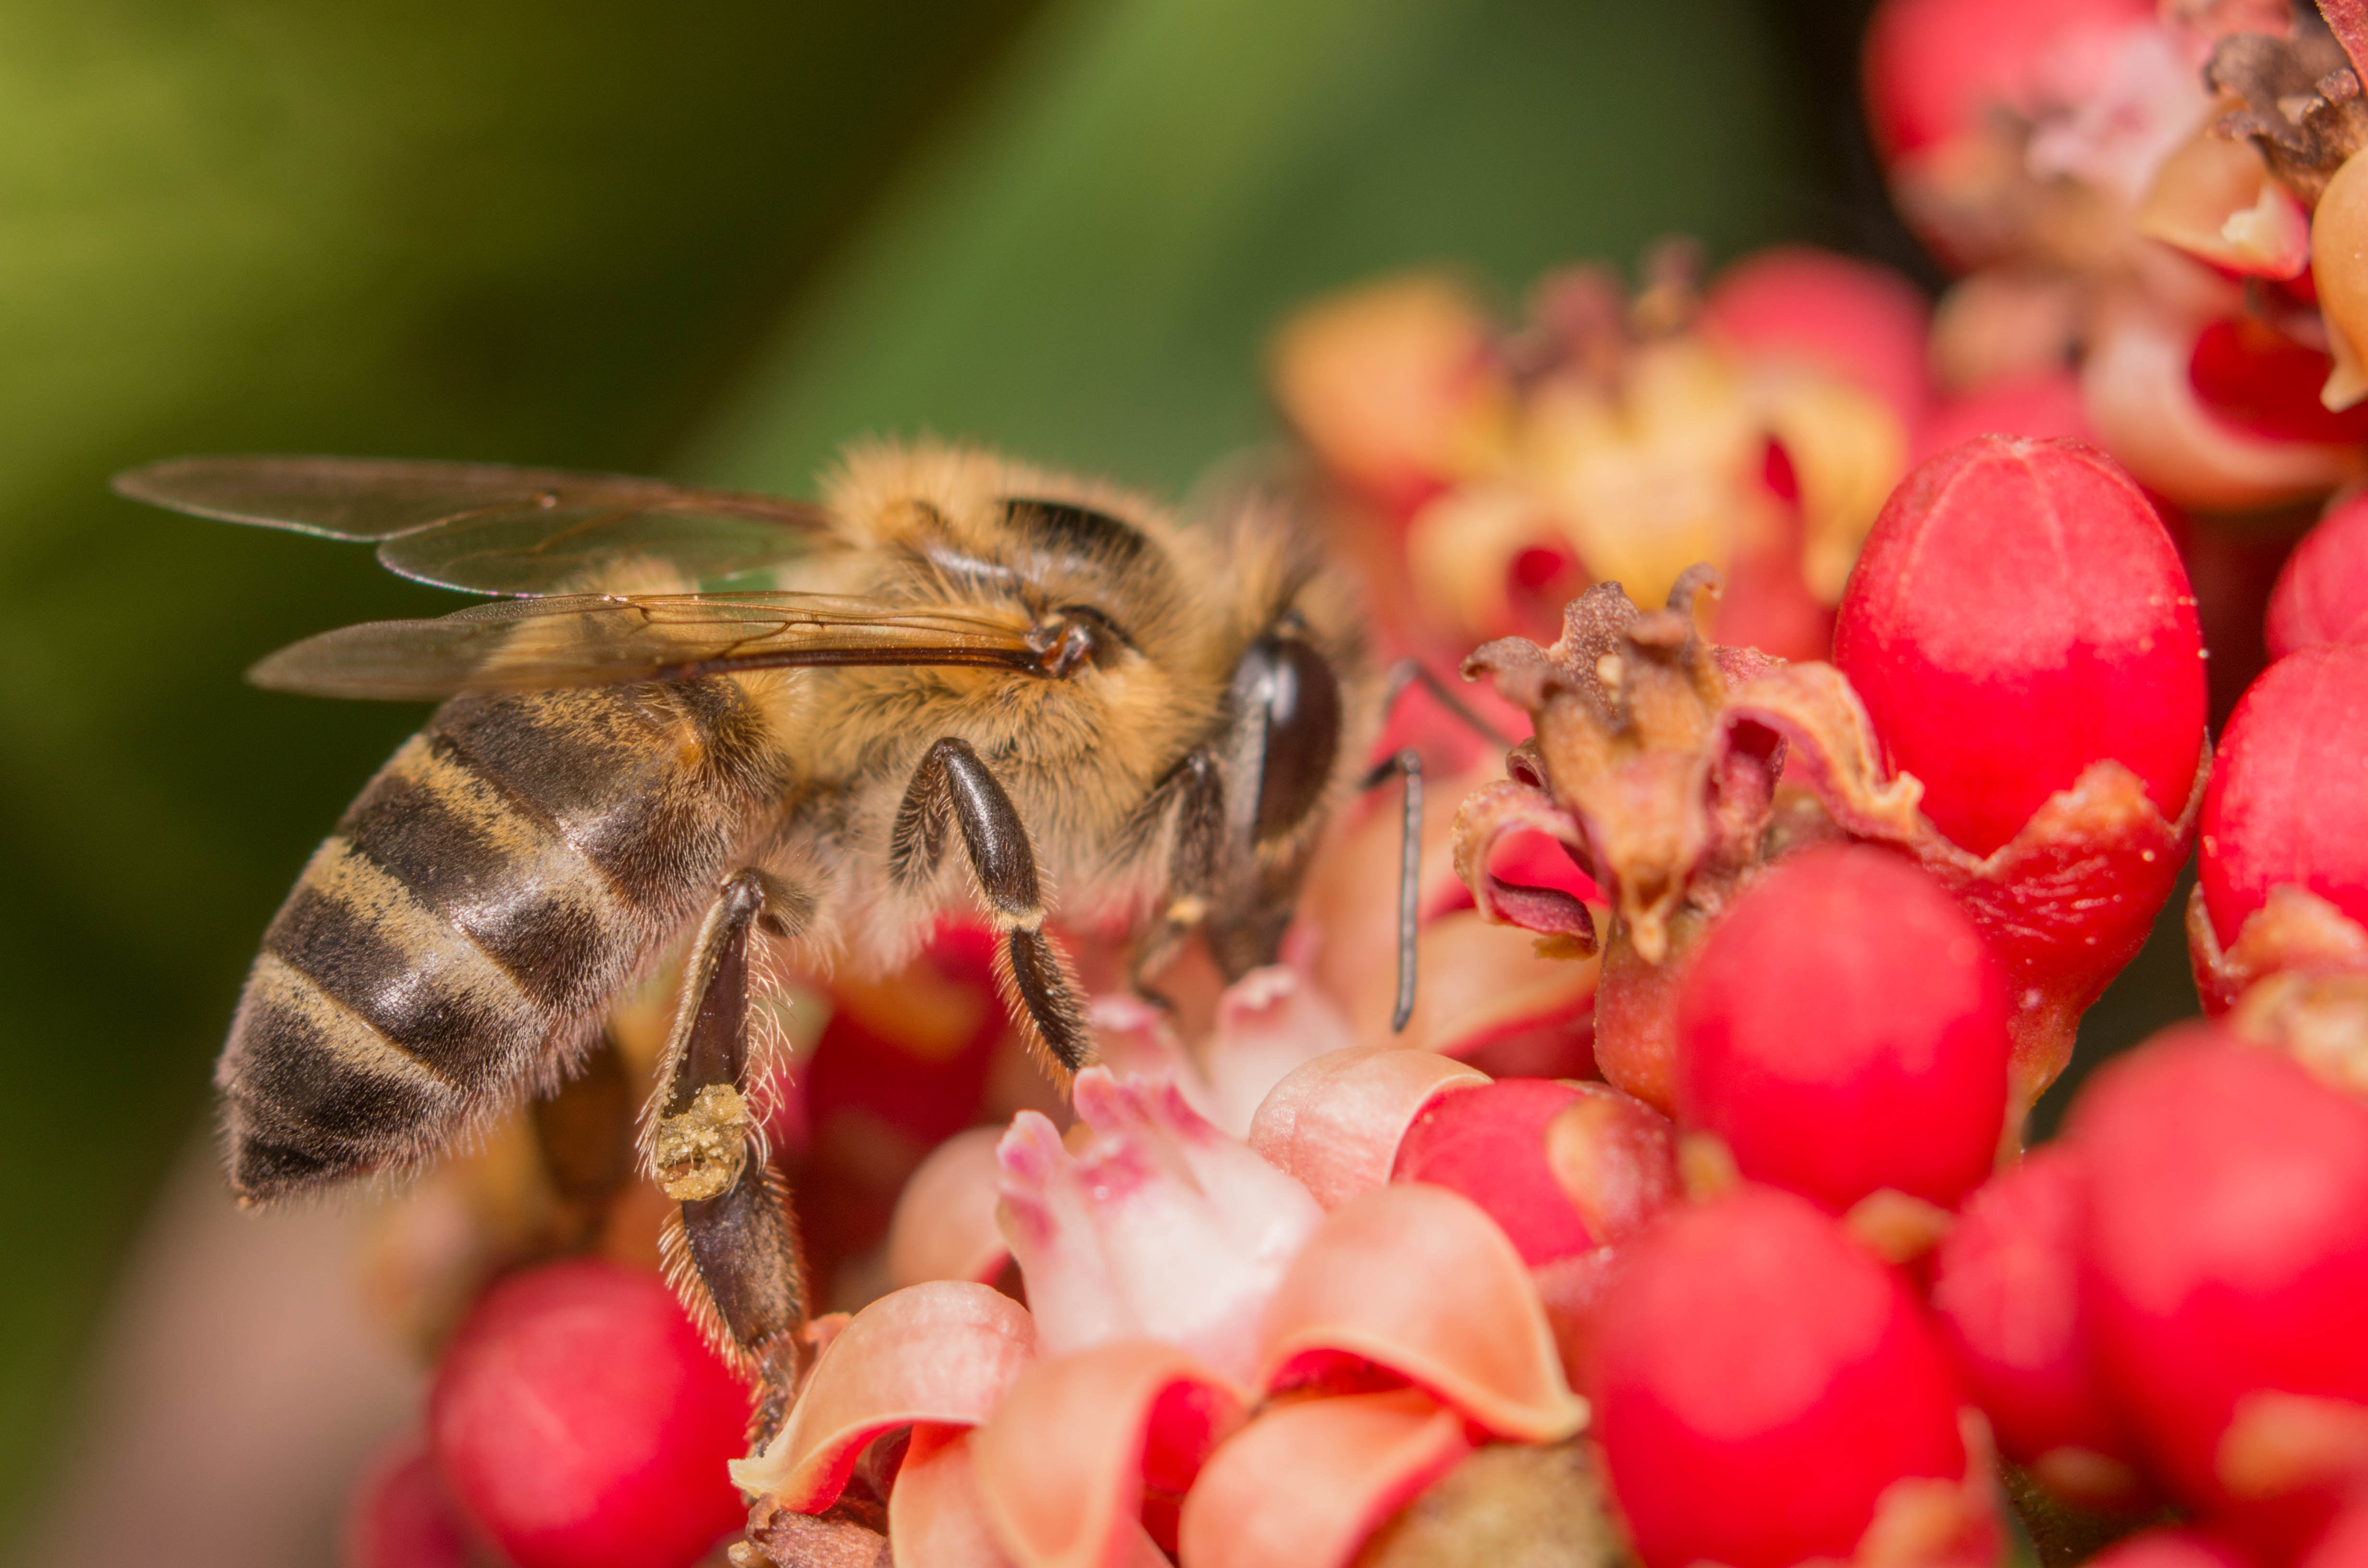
[701, 1150]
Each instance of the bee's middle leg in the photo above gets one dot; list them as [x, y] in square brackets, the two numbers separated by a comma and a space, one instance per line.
[953, 784]
[737, 1260]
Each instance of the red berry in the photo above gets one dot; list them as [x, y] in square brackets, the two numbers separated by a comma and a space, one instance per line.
[2227, 1258]
[1844, 1029]
[1489, 1143]
[2322, 594]
[582, 1423]
[2345, 1542]
[1758, 1379]
[400, 1516]
[2167, 1549]
[2288, 801]
[1936, 68]
[2006, 1287]
[2018, 613]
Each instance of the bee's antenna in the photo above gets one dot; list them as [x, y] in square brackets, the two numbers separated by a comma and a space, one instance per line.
[1406, 764]
[1409, 673]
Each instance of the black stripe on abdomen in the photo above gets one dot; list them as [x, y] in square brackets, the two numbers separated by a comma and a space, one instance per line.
[312, 1091]
[365, 939]
[653, 785]
[497, 869]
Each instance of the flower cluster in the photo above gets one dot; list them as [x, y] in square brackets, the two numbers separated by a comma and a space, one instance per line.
[1293, 1294]
[2102, 177]
[1490, 472]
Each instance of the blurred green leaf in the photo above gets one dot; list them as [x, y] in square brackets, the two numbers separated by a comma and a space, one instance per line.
[1087, 270]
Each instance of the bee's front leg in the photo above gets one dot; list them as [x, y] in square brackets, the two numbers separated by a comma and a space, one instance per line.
[1188, 807]
[953, 784]
[735, 1257]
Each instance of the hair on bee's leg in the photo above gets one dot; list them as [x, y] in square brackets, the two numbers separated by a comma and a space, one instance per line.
[953, 786]
[732, 1254]
[1405, 765]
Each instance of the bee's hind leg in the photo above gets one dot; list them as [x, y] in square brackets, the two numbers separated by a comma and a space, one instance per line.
[735, 1259]
[952, 784]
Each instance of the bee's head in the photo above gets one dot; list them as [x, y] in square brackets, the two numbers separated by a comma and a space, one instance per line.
[1299, 715]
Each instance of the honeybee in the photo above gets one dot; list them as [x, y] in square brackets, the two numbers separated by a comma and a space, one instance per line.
[955, 680]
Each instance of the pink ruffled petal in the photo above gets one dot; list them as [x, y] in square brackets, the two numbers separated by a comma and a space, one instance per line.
[1302, 1485]
[943, 1351]
[1062, 1465]
[1418, 1282]
[936, 1518]
[1335, 1122]
[1134, 1039]
[1269, 1023]
[945, 1226]
[1160, 1227]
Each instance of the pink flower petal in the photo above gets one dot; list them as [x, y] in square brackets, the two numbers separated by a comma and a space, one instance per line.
[1302, 1485]
[945, 1226]
[1418, 1282]
[1269, 1023]
[943, 1351]
[1160, 1227]
[937, 1520]
[1335, 1122]
[1062, 1465]
[1133, 1038]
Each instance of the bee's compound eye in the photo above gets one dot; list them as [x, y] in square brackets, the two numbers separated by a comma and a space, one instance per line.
[1302, 698]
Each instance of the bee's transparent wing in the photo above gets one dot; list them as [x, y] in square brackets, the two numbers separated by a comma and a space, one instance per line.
[532, 644]
[486, 529]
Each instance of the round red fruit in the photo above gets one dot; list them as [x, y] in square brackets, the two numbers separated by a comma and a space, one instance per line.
[1843, 1030]
[2006, 1287]
[2344, 1543]
[2019, 613]
[582, 1422]
[398, 1514]
[2288, 801]
[2322, 594]
[1489, 1142]
[1760, 1380]
[2228, 1273]
[2167, 1549]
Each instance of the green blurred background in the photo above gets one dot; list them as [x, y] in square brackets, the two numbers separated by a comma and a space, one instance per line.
[712, 241]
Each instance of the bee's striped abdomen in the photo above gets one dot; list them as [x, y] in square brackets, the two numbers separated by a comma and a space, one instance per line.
[504, 876]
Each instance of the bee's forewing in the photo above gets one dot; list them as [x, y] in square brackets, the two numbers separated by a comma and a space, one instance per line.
[542, 643]
[492, 529]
